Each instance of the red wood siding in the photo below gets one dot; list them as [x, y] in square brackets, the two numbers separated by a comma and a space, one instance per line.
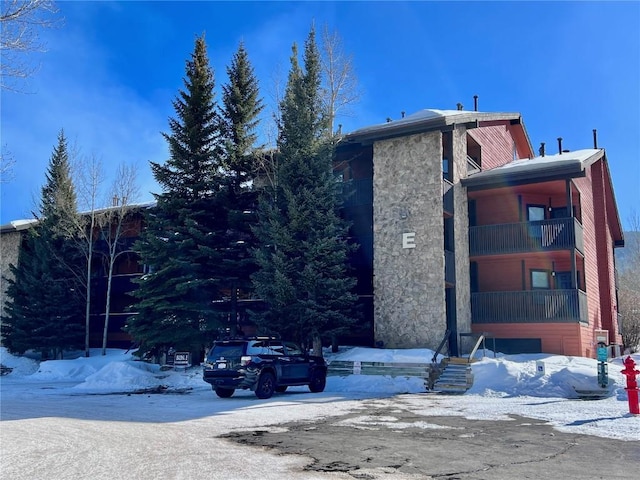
[497, 145]
[509, 205]
[604, 253]
[557, 338]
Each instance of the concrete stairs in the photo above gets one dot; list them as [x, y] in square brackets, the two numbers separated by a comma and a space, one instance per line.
[454, 376]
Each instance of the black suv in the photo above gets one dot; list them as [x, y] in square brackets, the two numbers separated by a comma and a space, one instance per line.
[263, 365]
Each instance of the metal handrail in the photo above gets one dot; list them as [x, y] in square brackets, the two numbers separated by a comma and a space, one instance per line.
[447, 334]
[475, 348]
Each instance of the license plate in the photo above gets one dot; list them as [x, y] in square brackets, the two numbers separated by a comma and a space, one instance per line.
[222, 365]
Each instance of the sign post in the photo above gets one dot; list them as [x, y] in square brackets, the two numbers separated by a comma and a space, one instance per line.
[603, 374]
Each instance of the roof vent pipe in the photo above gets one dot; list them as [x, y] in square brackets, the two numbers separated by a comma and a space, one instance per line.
[560, 145]
[402, 113]
[595, 138]
[475, 103]
[460, 106]
[541, 149]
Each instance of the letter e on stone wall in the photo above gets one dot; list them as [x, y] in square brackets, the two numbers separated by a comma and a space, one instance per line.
[409, 240]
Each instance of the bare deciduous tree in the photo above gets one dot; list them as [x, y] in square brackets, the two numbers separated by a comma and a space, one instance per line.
[6, 165]
[21, 22]
[125, 190]
[629, 286]
[89, 178]
[339, 82]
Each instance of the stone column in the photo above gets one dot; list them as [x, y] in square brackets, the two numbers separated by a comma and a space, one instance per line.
[408, 230]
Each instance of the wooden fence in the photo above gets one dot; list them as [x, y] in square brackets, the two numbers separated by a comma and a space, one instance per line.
[342, 369]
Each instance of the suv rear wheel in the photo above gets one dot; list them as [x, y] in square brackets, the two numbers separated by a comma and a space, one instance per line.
[224, 392]
[317, 382]
[266, 385]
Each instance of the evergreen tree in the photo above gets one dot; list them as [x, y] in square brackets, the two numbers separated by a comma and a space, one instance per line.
[241, 107]
[45, 301]
[176, 299]
[303, 256]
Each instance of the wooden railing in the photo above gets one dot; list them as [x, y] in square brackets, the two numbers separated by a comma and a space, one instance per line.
[357, 192]
[556, 234]
[529, 306]
[344, 368]
[472, 166]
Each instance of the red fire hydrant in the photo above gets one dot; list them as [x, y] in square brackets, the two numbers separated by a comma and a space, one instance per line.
[632, 384]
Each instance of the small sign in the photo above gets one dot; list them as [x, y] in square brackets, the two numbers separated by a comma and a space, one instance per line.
[409, 240]
[539, 367]
[602, 354]
[357, 368]
[182, 359]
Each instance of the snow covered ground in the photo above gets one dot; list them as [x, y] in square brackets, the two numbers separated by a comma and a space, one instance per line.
[509, 384]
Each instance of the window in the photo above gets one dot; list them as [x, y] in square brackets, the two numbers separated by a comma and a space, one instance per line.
[535, 213]
[292, 348]
[540, 279]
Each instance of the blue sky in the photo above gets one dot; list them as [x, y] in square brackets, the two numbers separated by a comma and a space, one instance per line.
[112, 70]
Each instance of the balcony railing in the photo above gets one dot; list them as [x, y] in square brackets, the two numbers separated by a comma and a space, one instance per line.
[449, 267]
[530, 306]
[447, 196]
[357, 192]
[556, 234]
[472, 166]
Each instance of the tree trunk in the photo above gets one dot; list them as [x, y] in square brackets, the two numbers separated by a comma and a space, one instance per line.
[107, 309]
[87, 312]
[317, 345]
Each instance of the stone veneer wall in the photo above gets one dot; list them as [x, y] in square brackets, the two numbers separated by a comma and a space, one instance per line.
[9, 249]
[461, 232]
[408, 283]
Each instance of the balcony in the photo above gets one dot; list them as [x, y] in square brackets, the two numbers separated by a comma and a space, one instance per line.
[447, 197]
[556, 234]
[529, 306]
[357, 192]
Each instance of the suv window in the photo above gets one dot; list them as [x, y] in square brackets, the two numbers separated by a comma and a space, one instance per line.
[292, 348]
[226, 350]
[265, 347]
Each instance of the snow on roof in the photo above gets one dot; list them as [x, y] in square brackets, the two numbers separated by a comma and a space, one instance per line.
[428, 117]
[578, 158]
[17, 225]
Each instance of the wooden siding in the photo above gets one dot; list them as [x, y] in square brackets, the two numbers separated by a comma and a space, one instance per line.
[557, 338]
[604, 253]
[497, 145]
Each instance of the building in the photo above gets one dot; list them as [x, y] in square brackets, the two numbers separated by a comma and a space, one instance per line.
[462, 231]
[10, 241]
[126, 268]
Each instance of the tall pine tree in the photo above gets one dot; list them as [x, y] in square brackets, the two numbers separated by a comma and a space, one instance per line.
[45, 295]
[176, 299]
[241, 107]
[303, 256]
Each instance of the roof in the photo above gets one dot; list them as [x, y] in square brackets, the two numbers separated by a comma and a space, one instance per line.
[428, 119]
[17, 225]
[537, 169]
[20, 225]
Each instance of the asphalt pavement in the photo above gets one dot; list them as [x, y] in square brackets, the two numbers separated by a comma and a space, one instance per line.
[382, 441]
